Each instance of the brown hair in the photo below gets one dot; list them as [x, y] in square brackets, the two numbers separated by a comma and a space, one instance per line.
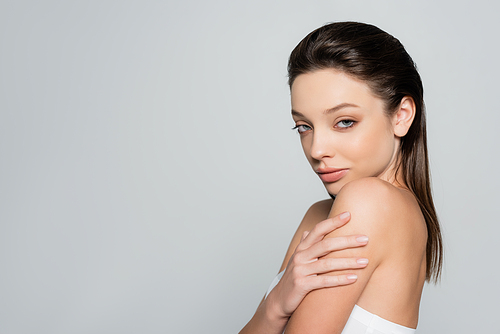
[372, 55]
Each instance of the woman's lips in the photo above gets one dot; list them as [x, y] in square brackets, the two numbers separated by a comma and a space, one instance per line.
[331, 174]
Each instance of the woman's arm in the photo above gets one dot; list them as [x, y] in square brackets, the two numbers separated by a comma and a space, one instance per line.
[302, 267]
[374, 205]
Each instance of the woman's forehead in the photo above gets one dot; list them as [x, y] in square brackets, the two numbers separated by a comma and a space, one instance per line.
[325, 89]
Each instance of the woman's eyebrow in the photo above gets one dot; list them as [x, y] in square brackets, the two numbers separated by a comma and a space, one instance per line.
[329, 111]
[296, 113]
[340, 106]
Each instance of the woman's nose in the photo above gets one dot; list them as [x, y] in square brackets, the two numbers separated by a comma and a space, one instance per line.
[321, 147]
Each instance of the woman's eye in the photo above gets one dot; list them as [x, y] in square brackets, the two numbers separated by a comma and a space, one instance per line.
[346, 123]
[301, 128]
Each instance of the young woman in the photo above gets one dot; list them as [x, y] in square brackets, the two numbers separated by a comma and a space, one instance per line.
[357, 103]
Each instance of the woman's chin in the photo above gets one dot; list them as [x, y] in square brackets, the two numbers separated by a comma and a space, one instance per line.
[333, 188]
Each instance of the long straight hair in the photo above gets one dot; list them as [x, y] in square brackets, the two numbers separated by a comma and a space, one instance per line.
[374, 56]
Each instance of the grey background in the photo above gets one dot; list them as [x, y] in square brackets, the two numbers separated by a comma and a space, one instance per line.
[149, 179]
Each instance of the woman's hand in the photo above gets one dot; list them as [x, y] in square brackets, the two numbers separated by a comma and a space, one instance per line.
[301, 274]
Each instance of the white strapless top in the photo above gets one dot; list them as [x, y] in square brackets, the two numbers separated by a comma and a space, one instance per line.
[361, 321]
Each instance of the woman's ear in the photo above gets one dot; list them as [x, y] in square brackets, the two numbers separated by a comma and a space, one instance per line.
[404, 116]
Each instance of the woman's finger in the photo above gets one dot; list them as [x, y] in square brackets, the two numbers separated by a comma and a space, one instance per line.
[323, 228]
[325, 281]
[327, 265]
[329, 245]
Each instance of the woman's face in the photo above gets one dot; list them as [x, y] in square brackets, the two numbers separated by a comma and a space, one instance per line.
[345, 133]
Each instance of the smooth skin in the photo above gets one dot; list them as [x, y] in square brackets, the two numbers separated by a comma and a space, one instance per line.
[302, 268]
[343, 125]
[391, 285]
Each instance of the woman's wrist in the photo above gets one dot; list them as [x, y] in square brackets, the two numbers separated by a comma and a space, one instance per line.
[273, 312]
[267, 320]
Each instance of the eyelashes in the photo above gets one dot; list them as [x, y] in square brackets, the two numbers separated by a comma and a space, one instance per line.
[301, 128]
[344, 124]
[341, 125]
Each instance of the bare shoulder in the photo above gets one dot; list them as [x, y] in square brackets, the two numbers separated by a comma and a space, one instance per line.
[392, 220]
[380, 210]
[372, 193]
[377, 197]
[317, 212]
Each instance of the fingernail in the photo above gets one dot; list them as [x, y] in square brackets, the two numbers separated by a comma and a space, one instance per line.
[352, 277]
[362, 239]
[344, 215]
[362, 261]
